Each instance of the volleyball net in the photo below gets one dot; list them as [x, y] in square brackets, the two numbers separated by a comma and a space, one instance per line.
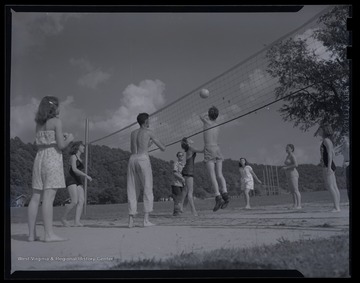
[239, 91]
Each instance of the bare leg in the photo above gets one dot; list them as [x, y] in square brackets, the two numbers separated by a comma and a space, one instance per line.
[247, 199]
[70, 206]
[220, 176]
[131, 221]
[147, 223]
[336, 194]
[297, 194]
[330, 183]
[79, 206]
[190, 186]
[211, 169]
[32, 214]
[183, 197]
[47, 211]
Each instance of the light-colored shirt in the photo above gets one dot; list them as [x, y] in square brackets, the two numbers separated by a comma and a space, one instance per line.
[178, 167]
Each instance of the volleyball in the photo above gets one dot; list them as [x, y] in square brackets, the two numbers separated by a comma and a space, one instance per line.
[204, 93]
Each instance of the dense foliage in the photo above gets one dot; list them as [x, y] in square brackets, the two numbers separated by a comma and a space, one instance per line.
[108, 168]
[320, 85]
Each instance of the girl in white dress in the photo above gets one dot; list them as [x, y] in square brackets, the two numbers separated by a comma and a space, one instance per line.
[48, 171]
[247, 176]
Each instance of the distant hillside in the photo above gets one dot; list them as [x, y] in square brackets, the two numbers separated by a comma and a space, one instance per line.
[108, 166]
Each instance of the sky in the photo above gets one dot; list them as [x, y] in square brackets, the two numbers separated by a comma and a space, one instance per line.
[108, 67]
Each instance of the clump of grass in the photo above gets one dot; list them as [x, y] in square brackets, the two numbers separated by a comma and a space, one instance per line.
[313, 258]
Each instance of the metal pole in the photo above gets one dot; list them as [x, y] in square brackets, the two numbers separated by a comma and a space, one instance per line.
[273, 179]
[86, 160]
[277, 180]
[267, 180]
[264, 180]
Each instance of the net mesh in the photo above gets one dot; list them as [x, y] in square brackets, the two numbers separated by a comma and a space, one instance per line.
[239, 91]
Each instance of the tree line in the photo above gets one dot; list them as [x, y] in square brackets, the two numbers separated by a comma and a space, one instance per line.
[108, 168]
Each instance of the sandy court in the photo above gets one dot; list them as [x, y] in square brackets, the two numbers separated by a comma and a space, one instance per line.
[102, 243]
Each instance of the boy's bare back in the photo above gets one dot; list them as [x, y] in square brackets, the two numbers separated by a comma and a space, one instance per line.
[140, 141]
[210, 136]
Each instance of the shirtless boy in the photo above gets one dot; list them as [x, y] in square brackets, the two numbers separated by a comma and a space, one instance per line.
[139, 174]
[213, 158]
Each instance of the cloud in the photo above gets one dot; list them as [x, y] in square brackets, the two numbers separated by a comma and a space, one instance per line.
[147, 97]
[315, 45]
[22, 123]
[256, 87]
[91, 77]
[82, 63]
[31, 29]
[72, 118]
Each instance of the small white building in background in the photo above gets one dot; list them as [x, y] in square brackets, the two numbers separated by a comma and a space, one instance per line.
[20, 201]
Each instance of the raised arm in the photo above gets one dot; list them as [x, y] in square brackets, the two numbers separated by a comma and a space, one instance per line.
[156, 141]
[204, 118]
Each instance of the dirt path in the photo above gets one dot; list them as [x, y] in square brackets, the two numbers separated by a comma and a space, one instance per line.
[102, 243]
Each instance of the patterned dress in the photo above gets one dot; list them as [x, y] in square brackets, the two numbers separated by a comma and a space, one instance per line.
[246, 178]
[48, 170]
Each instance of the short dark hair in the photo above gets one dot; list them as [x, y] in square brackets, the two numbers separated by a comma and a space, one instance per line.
[184, 144]
[177, 154]
[246, 162]
[142, 117]
[75, 147]
[291, 146]
[213, 113]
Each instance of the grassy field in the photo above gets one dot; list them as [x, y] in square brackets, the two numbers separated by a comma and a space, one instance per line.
[312, 258]
[120, 211]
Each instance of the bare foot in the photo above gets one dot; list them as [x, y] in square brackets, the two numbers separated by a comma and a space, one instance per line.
[32, 239]
[65, 222]
[131, 222]
[148, 224]
[247, 207]
[298, 207]
[54, 238]
[78, 224]
[335, 210]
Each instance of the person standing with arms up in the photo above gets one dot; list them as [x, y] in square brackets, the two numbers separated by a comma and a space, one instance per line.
[48, 171]
[139, 174]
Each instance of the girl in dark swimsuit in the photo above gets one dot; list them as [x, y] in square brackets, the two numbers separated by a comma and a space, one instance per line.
[327, 162]
[188, 171]
[74, 183]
